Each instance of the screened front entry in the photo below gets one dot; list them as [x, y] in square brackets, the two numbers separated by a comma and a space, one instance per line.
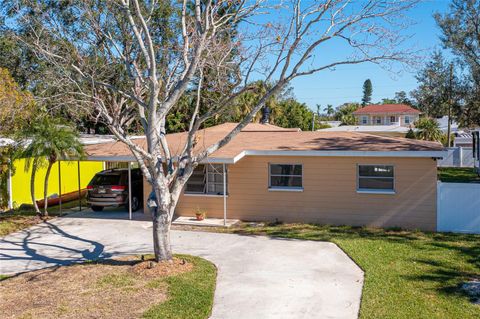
[207, 179]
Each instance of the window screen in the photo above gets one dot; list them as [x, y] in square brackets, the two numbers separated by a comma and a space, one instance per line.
[286, 176]
[375, 177]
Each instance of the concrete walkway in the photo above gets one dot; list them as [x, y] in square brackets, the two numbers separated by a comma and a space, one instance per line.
[258, 277]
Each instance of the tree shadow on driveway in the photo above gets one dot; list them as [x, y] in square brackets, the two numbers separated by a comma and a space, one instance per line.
[37, 245]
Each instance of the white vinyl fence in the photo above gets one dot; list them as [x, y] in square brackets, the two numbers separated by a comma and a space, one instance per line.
[458, 207]
[457, 157]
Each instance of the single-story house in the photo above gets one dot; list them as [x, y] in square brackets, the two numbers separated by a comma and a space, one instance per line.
[269, 173]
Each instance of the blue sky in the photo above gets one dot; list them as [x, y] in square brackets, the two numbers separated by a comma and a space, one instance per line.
[345, 83]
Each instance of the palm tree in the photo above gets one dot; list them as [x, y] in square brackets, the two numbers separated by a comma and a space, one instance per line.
[329, 110]
[47, 141]
[428, 129]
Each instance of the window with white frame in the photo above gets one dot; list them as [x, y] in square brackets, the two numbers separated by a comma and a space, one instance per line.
[378, 120]
[285, 176]
[375, 178]
[393, 119]
[364, 119]
[407, 119]
[206, 179]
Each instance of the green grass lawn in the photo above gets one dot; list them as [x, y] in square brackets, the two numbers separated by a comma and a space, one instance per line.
[190, 294]
[458, 175]
[407, 274]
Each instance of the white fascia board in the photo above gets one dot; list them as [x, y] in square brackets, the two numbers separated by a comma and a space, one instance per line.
[211, 160]
[215, 160]
[111, 158]
[427, 154]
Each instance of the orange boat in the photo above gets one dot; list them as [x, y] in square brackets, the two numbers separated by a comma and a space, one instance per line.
[67, 197]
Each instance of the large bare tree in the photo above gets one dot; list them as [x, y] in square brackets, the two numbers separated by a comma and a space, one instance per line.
[130, 60]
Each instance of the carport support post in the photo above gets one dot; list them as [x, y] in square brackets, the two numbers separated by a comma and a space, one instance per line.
[79, 187]
[59, 188]
[130, 190]
[224, 195]
[9, 186]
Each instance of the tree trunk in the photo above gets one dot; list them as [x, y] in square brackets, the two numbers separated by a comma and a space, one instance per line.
[32, 186]
[45, 188]
[161, 236]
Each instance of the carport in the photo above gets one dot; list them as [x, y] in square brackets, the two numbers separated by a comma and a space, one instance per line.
[124, 159]
[119, 152]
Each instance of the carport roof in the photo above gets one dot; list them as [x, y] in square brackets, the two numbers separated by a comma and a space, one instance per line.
[265, 139]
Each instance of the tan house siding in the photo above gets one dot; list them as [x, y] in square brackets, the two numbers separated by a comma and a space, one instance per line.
[329, 195]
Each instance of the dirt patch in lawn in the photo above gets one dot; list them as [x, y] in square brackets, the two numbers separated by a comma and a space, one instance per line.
[120, 288]
[10, 223]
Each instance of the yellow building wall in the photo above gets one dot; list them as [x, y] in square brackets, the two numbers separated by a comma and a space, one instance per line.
[21, 179]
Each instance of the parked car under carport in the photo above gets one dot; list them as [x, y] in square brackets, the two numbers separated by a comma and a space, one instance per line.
[110, 188]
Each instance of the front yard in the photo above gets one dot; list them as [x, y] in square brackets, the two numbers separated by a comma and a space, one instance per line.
[120, 288]
[407, 274]
[19, 219]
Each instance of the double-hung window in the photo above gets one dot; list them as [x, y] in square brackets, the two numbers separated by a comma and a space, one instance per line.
[407, 119]
[285, 177]
[376, 178]
[206, 179]
[364, 119]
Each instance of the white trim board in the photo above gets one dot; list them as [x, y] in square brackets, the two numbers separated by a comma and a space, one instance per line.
[236, 158]
[427, 154]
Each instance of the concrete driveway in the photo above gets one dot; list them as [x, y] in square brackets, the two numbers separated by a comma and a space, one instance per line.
[258, 277]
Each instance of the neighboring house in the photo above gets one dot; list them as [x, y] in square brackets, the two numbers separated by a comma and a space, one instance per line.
[382, 130]
[332, 123]
[340, 178]
[387, 114]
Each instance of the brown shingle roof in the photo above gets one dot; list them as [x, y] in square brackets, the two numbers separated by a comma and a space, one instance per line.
[387, 108]
[258, 137]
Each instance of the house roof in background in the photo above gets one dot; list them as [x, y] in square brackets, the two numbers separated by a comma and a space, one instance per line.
[387, 108]
[89, 139]
[368, 129]
[260, 139]
[443, 124]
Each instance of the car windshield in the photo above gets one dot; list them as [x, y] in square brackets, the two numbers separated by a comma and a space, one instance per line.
[107, 179]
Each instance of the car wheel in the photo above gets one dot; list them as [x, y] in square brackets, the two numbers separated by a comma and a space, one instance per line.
[97, 208]
[135, 204]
